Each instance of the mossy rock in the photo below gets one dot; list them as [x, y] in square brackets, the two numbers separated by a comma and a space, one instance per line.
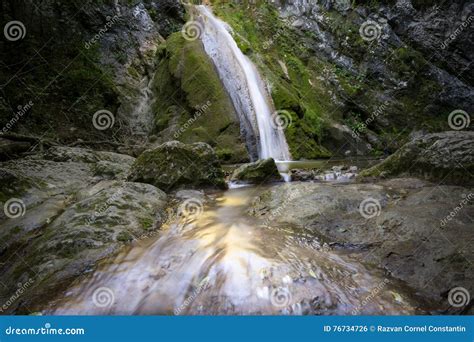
[260, 171]
[192, 104]
[445, 157]
[174, 164]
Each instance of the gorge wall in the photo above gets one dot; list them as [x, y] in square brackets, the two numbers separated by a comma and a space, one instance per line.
[348, 77]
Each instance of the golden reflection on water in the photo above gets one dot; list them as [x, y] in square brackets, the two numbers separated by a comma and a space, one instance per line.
[227, 262]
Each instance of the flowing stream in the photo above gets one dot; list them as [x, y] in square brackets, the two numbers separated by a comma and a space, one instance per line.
[244, 85]
[220, 260]
[217, 258]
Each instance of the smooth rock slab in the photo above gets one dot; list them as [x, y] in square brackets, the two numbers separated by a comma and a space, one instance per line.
[408, 233]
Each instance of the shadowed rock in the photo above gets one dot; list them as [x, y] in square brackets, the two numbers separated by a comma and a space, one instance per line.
[446, 157]
[257, 172]
[174, 164]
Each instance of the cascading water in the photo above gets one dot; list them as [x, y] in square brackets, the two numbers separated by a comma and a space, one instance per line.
[141, 116]
[244, 85]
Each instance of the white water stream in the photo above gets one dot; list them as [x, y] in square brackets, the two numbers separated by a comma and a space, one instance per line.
[244, 85]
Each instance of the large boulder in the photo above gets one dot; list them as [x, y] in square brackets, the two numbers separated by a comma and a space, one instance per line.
[416, 231]
[174, 165]
[59, 217]
[257, 172]
[73, 237]
[446, 157]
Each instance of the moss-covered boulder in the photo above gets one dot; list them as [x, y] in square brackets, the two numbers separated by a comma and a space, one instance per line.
[257, 172]
[174, 164]
[191, 104]
[446, 157]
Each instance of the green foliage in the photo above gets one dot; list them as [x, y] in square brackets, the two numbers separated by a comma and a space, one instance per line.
[274, 46]
[191, 96]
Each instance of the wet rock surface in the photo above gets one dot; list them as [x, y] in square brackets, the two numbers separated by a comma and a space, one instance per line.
[409, 227]
[60, 217]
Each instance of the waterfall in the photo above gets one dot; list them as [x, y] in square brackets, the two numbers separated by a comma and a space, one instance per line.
[244, 85]
[141, 115]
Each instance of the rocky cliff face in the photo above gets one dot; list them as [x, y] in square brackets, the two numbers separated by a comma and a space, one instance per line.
[86, 57]
[412, 57]
[348, 76]
[355, 74]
